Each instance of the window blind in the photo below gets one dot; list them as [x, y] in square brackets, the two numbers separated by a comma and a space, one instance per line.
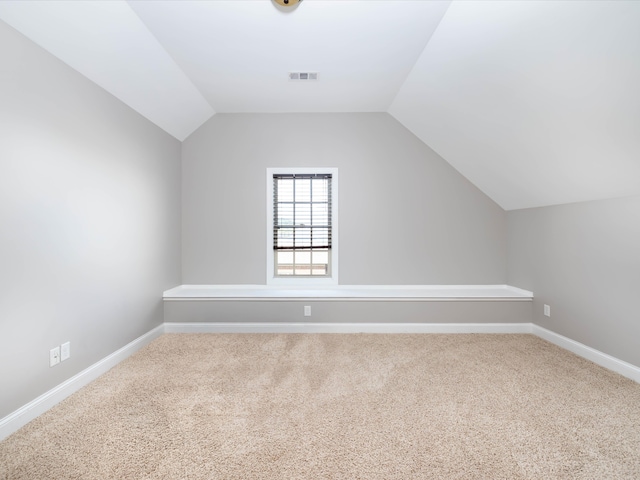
[302, 223]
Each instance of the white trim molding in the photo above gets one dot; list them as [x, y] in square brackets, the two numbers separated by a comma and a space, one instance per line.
[44, 402]
[607, 361]
[255, 327]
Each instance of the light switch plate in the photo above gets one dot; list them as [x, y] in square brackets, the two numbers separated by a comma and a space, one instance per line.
[65, 351]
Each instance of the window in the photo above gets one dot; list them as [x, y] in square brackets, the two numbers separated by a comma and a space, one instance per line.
[302, 226]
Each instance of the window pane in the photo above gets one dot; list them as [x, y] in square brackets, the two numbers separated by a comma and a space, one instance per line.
[303, 257]
[284, 190]
[320, 189]
[284, 214]
[320, 214]
[284, 262]
[303, 237]
[320, 237]
[302, 271]
[285, 237]
[320, 262]
[320, 257]
[285, 257]
[303, 214]
[303, 189]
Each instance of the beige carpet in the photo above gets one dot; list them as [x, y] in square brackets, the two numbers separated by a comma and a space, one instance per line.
[339, 407]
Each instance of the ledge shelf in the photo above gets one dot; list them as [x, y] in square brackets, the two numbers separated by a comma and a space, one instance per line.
[420, 293]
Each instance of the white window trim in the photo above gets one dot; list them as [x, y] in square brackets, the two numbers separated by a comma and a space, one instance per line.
[303, 281]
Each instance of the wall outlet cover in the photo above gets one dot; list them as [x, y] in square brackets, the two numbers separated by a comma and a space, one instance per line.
[54, 356]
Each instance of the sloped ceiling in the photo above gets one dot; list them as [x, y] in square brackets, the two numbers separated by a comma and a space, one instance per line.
[109, 44]
[535, 102]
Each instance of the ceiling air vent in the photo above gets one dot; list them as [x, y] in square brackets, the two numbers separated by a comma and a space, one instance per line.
[303, 76]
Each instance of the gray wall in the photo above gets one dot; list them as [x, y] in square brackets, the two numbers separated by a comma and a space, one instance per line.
[89, 221]
[406, 216]
[583, 260]
[336, 311]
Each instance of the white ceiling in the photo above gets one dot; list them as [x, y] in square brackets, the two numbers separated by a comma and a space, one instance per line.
[535, 102]
[109, 44]
[238, 53]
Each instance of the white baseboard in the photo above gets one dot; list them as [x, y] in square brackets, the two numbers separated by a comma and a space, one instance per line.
[607, 361]
[44, 402]
[347, 327]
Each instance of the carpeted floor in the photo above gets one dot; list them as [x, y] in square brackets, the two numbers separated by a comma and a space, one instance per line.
[330, 406]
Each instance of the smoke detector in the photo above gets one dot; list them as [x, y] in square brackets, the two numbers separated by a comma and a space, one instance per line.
[303, 76]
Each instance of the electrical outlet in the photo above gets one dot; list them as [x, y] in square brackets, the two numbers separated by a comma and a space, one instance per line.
[547, 310]
[54, 356]
[307, 310]
[65, 351]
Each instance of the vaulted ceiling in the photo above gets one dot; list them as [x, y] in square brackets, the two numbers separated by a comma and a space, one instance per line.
[536, 102]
